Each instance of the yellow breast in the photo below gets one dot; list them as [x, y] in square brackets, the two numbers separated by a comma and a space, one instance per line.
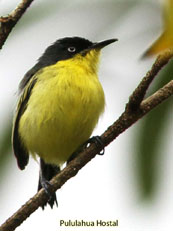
[62, 111]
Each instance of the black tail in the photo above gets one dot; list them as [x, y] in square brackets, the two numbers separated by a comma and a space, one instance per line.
[47, 172]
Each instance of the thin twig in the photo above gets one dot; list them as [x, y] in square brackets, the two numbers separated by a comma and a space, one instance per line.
[139, 93]
[128, 118]
[8, 23]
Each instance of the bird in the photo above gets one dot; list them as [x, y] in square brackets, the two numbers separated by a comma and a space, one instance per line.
[59, 104]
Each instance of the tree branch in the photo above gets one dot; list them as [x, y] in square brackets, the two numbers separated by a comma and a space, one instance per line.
[128, 118]
[139, 93]
[8, 23]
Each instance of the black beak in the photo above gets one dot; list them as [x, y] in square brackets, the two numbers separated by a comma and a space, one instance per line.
[99, 45]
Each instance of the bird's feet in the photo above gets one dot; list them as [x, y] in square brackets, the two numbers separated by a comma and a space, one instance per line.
[95, 139]
[98, 142]
[46, 185]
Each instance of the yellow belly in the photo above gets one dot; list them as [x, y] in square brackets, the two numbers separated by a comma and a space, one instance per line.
[61, 113]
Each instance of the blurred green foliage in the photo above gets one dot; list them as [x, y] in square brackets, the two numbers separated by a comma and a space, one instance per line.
[5, 148]
[150, 138]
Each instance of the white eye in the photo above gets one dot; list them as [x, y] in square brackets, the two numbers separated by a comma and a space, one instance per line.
[71, 49]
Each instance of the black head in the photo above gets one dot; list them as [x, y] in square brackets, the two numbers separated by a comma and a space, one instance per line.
[64, 48]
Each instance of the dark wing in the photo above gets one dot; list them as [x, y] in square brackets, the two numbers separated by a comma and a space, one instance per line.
[44, 61]
[29, 75]
[25, 88]
[20, 150]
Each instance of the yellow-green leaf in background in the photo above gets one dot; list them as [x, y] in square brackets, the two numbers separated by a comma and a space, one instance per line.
[165, 41]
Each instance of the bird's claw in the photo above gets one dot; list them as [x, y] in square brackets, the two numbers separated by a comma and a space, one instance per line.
[98, 142]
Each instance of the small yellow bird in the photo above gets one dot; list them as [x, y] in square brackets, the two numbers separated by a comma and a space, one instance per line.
[60, 102]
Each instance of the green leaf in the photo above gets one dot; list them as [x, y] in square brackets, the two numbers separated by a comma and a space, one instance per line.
[151, 137]
[5, 149]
